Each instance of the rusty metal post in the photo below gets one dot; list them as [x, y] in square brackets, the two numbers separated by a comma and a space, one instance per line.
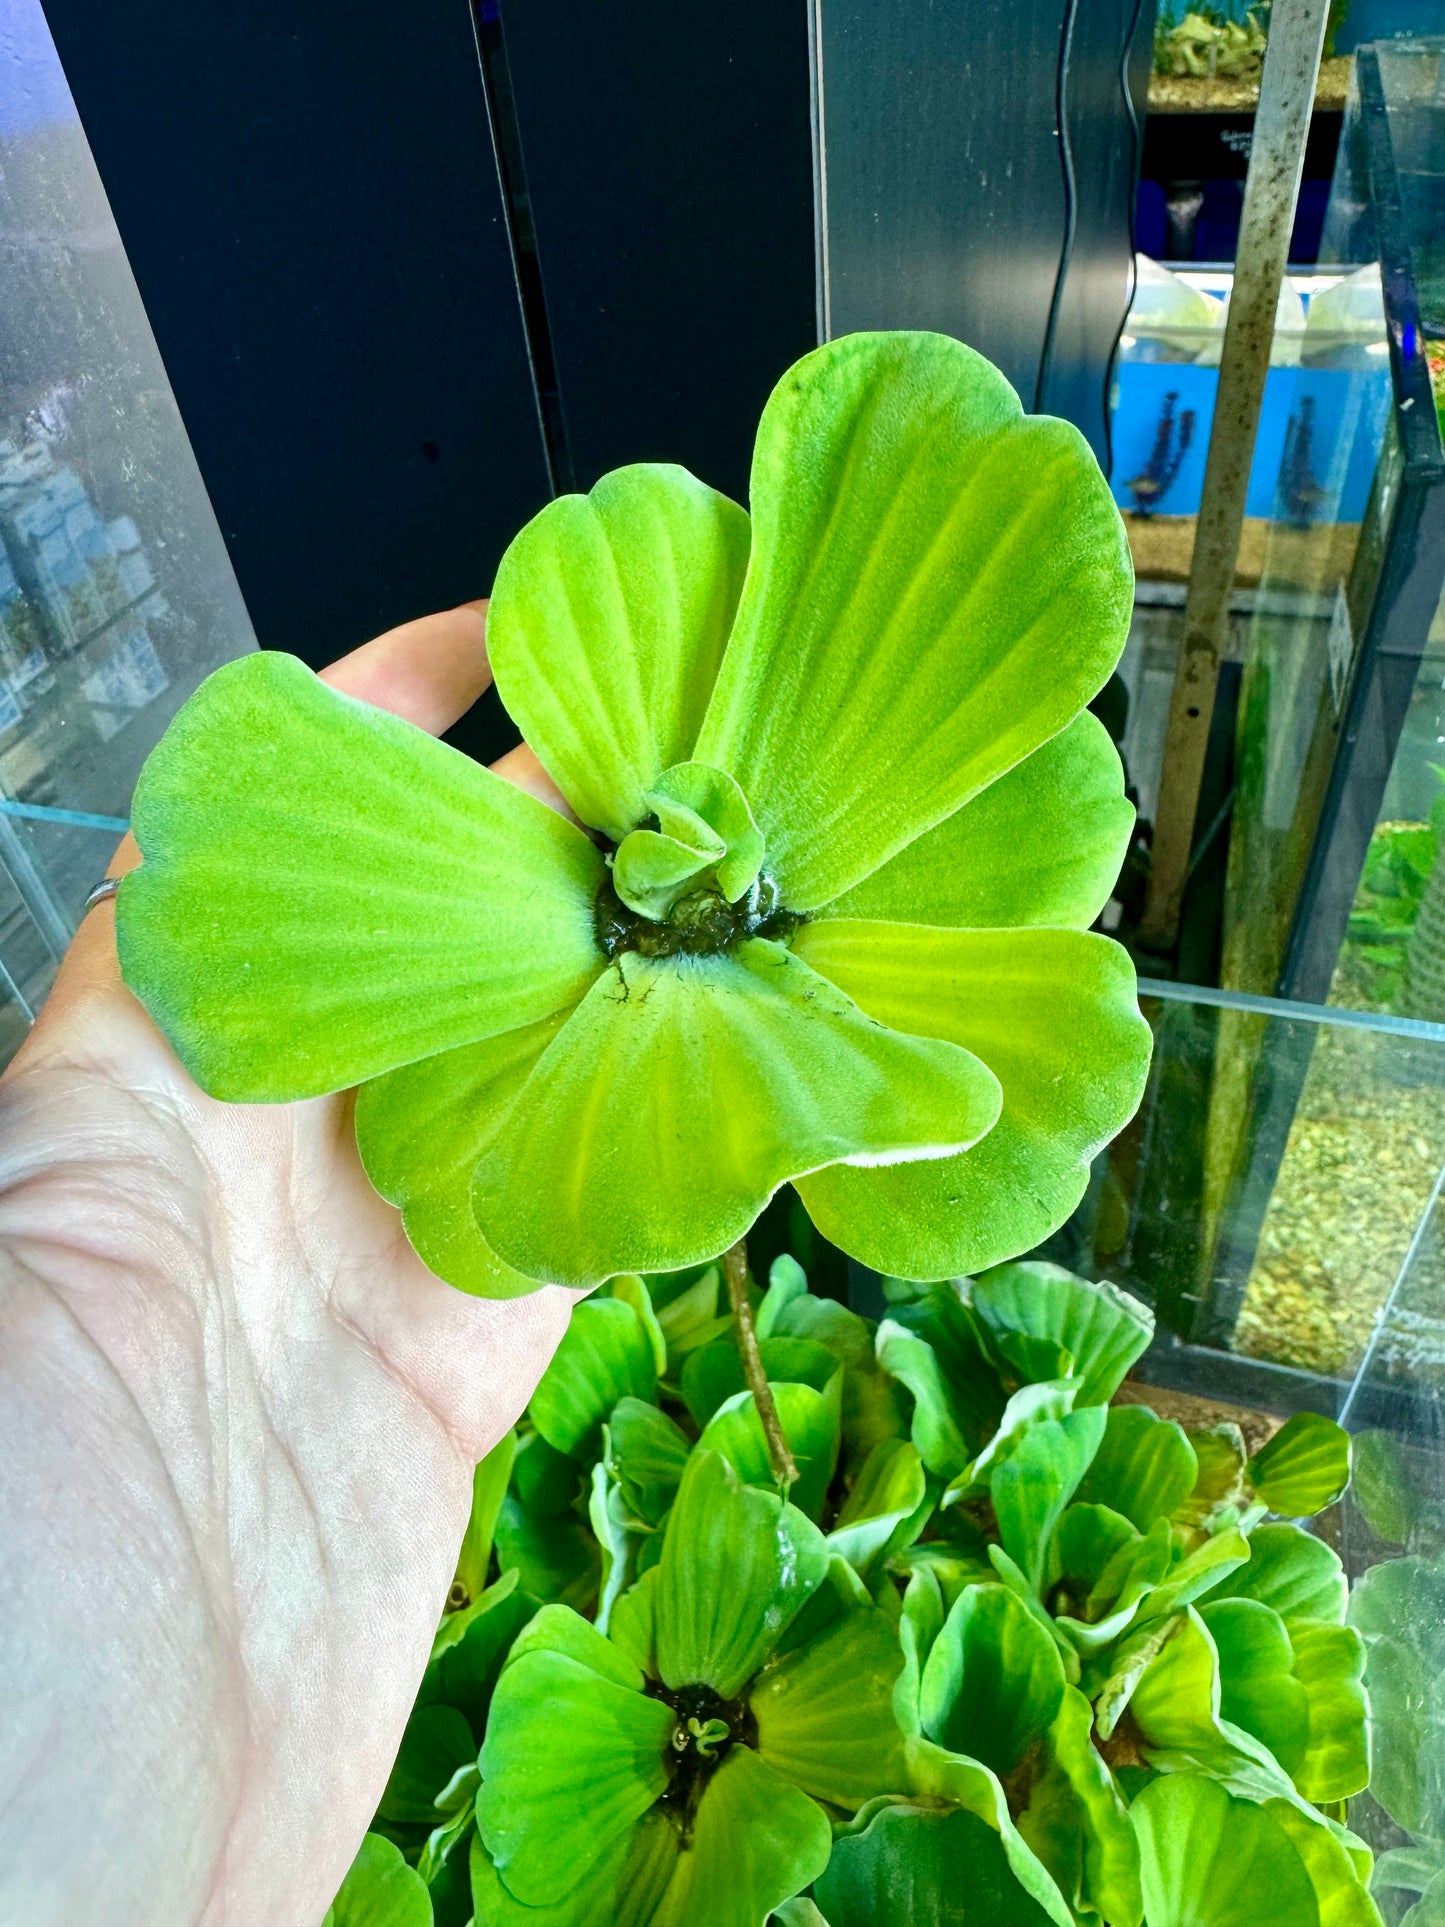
[1271, 189]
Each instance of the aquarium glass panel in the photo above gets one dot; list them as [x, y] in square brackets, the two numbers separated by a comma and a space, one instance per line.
[116, 594]
[1392, 1538]
[1277, 1229]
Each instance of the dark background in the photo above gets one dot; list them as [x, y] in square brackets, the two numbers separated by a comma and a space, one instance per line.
[332, 211]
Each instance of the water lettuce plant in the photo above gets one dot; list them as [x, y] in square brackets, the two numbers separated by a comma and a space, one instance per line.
[1011, 1650]
[1399, 1609]
[842, 825]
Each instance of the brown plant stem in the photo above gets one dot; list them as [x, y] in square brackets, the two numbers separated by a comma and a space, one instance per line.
[735, 1270]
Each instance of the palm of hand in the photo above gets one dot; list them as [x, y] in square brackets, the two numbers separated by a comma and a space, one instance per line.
[254, 1413]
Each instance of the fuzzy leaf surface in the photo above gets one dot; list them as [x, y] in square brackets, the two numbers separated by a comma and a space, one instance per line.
[893, 651]
[1102, 1329]
[737, 1566]
[1145, 1466]
[1054, 1015]
[328, 892]
[380, 1890]
[1304, 1467]
[604, 1355]
[571, 1761]
[607, 622]
[902, 1869]
[1040, 846]
[683, 1091]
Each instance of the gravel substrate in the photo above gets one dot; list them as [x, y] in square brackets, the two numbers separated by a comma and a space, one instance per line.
[1358, 1170]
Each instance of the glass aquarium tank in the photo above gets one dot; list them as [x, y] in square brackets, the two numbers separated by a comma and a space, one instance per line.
[116, 592]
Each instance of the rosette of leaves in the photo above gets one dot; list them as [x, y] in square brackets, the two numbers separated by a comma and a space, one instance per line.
[1056, 1661]
[823, 915]
[672, 1770]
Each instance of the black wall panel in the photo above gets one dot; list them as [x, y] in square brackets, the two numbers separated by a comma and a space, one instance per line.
[309, 200]
[945, 199]
[669, 167]
[951, 200]
[1105, 81]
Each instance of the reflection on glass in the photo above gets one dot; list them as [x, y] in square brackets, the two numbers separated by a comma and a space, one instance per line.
[1393, 1542]
[116, 595]
[1290, 1259]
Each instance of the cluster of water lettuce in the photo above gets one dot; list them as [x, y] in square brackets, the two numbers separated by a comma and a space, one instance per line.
[1006, 1651]
[823, 916]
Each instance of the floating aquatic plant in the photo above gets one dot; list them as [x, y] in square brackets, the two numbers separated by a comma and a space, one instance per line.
[824, 912]
[1005, 1651]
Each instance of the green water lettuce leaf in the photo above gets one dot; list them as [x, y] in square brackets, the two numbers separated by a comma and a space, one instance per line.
[1231, 1690]
[380, 1890]
[714, 1373]
[1102, 1329]
[993, 1681]
[1177, 1704]
[679, 1794]
[931, 1345]
[1053, 1015]
[1210, 1860]
[899, 1866]
[1195, 1572]
[1398, 1607]
[420, 1131]
[889, 1488]
[1219, 1494]
[436, 1742]
[1304, 1467]
[1042, 845]
[1034, 1484]
[469, 1648]
[706, 836]
[1030, 1405]
[825, 1715]
[1145, 1466]
[572, 1759]
[1383, 1487]
[489, 1488]
[547, 1482]
[1102, 1569]
[1329, 1663]
[608, 619]
[1258, 1687]
[953, 1780]
[737, 1566]
[556, 1558]
[873, 1406]
[605, 1355]
[1077, 1823]
[647, 1452]
[757, 1841]
[279, 931]
[874, 687]
[893, 653]
[1298, 1575]
[810, 1422]
[640, 1078]
[630, 1288]
[799, 1912]
[689, 1318]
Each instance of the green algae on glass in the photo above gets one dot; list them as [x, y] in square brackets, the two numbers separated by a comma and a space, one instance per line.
[843, 824]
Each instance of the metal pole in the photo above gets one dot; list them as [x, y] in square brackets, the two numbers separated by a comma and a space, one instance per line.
[1271, 189]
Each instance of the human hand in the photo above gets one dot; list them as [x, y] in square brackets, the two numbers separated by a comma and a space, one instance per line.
[238, 1420]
